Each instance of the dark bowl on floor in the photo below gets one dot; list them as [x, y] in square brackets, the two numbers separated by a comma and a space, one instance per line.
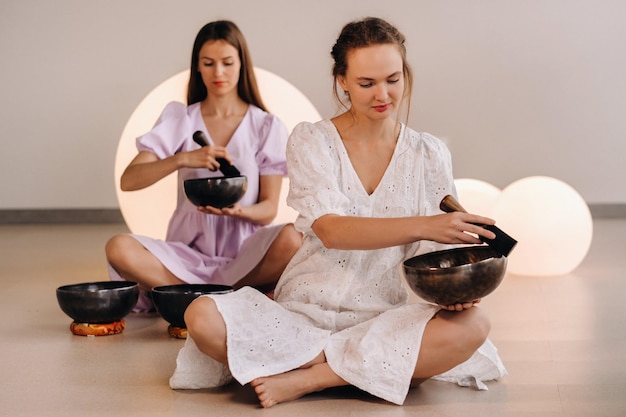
[455, 275]
[98, 302]
[216, 192]
[171, 301]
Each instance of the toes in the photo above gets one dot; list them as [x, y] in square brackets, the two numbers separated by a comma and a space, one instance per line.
[265, 400]
[268, 403]
[260, 390]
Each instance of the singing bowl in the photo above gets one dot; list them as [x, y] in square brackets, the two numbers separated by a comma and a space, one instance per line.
[98, 302]
[455, 276]
[216, 192]
[171, 301]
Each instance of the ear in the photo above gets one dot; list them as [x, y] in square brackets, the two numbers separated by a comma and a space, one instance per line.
[342, 82]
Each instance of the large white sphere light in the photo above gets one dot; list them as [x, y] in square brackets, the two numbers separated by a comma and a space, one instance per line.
[476, 196]
[551, 222]
[147, 211]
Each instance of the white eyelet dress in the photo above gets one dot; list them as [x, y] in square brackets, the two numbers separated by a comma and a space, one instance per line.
[349, 303]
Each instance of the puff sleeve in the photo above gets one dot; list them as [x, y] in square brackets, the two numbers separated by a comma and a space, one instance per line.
[168, 133]
[314, 175]
[273, 139]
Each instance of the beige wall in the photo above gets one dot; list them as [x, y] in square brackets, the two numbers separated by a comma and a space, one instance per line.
[516, 88]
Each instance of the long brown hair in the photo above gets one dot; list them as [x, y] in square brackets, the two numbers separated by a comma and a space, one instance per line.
[227, 31]
[367, 32]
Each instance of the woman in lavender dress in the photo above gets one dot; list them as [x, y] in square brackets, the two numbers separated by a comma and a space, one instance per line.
[235, 245]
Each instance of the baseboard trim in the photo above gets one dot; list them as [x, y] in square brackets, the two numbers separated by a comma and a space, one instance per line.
[109, 216]
[61, 216]
[607, 211]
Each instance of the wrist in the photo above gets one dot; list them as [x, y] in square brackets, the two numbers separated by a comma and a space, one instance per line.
[179, 160]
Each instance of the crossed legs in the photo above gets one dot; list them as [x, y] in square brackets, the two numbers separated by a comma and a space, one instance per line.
[135, 263]
[449, 339]
[208, 330]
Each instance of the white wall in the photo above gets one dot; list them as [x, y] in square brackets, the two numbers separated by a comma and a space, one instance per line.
[516, 88]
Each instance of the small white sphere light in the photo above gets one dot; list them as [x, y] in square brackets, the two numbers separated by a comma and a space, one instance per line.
[476, 196]
[551, 222]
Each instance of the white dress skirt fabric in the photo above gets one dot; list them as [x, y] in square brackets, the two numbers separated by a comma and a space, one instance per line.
[351, 304]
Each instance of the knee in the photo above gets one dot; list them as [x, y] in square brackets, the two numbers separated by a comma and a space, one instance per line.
[112, 247]
[481, 326]
[471, 329]
[291, 239]
[199, 315]
[206, 326]
[117, 249]
[475, 329]
[121, 250]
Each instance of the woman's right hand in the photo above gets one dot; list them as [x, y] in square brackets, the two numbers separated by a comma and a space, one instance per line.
[146, 168]
[366, 233]
[204, 157]
[457, 228]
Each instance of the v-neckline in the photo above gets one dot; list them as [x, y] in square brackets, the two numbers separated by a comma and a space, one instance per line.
[211, 140]
[353, 170]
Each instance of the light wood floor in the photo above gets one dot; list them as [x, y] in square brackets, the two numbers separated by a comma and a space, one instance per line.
[563, 340]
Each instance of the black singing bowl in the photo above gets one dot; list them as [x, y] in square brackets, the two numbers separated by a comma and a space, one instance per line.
[171, 301]
[455, 276]
[98, 302]
[216, 192]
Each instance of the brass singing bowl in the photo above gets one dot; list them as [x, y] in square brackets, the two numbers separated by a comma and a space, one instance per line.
[455, 276]
[171, 301]
[218, 192]
[98, 302]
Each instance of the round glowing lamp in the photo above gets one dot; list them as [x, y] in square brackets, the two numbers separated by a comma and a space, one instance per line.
[551, 222]
[147, 211]
[476, 196]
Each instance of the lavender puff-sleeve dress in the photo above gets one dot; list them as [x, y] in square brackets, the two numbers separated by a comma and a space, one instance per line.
[351, 304]
[203, 248]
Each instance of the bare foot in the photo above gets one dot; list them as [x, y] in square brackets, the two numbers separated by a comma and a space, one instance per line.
[313, 376]
[283, 387]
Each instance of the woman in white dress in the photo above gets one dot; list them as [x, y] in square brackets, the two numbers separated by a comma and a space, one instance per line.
[367, 189]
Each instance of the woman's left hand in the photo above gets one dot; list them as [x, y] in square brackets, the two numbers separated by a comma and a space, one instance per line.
[234, 211]
[263, 212]
[460, 306]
